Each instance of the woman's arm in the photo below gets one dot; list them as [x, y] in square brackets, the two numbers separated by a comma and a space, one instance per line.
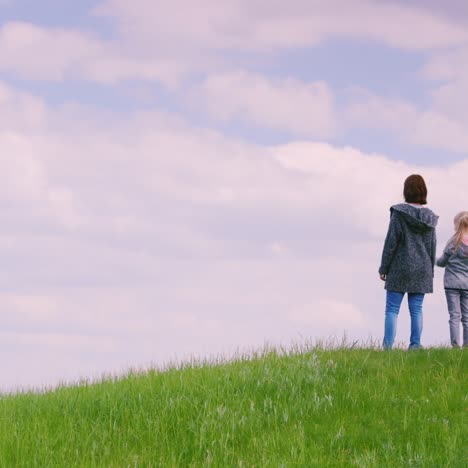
[391, 243]
[433, 250]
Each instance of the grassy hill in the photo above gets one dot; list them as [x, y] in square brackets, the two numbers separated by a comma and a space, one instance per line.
[360, 407]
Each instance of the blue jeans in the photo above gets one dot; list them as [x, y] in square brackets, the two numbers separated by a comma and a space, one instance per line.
[415, 302]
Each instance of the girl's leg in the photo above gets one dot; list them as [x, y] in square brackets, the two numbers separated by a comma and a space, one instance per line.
[415, 302]
[464, 318]
[392, 309]
[454, 309]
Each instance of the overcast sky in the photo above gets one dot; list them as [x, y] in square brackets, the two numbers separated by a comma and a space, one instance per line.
[185, 178]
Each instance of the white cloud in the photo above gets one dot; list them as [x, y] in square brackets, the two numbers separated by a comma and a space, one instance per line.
[19, 109]
[304, 109]
[167, 41]
[194, 44]
[267, 25]
[447, 65]
[449, 70]
[438, 126]
[29, 194]
[76, 55]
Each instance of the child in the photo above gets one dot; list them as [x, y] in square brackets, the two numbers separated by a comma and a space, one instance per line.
[455, 259]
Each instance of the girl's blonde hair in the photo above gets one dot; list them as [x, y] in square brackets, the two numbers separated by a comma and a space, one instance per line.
[461, 227]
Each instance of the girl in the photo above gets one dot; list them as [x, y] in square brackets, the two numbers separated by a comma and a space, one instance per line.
[408, 259]
[455, 259]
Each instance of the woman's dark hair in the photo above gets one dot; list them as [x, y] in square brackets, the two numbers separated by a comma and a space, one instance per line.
[415, 190]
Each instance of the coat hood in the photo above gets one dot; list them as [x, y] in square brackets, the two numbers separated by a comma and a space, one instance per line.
[418, 219]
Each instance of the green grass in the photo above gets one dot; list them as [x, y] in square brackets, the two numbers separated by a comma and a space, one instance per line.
[344, 407]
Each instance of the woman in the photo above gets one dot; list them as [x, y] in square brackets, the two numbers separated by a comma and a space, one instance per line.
[408, 259]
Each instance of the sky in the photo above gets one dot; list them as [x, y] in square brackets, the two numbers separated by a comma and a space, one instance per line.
[185, 180]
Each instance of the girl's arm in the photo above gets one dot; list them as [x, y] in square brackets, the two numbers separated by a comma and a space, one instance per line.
[391, 244]
[443, 260]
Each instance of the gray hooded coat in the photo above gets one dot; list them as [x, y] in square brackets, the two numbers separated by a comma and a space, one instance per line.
[408, 257]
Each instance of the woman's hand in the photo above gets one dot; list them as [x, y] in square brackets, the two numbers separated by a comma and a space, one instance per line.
[383, 277]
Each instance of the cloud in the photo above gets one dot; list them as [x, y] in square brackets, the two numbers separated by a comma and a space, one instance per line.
[447, 65]
[20, 110]
[75, 55]
[440, 126]
[455, 10]
[200, 40]
[449, 72]
[265, 25]
[29, 194]
[303, 109]
[230, 94]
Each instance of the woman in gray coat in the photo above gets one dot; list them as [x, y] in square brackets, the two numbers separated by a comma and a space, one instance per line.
[408, 259]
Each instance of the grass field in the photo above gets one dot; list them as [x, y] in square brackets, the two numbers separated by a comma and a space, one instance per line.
[342, 407]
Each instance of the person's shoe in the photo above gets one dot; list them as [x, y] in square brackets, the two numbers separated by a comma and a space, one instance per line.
[414, 347]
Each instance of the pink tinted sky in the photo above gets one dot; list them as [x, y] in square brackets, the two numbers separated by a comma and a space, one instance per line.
[177, 185]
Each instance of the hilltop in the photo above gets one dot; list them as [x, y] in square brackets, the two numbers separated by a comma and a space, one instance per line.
[343, 407]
